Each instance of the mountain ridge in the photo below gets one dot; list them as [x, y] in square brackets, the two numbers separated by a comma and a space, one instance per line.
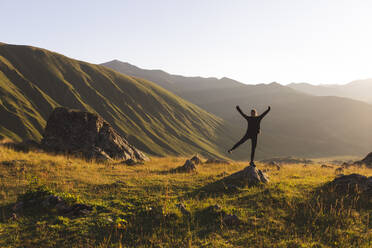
[357, 89]
[299, 124]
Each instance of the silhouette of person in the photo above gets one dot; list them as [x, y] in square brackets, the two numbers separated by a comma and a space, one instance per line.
[253, 130]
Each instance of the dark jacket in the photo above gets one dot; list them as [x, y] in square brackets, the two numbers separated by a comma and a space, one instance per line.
[254, 122]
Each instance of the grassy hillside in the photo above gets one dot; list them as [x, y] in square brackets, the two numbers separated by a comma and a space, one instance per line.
[135, 206]
[299, 124]
[33, 81]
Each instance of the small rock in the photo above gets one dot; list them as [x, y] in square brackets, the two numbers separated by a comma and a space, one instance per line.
[51, 200]
[14, 217]
[345, 165]
[80, 209]
[131, 162]
[231, 220]
[156, 213]
[62, 207]
[196, 159]
[18, 206]
[189, 166]
[99, 155]
[287, 160]
[183, 209]
[216, 207]
[273, 163]
[339, 170]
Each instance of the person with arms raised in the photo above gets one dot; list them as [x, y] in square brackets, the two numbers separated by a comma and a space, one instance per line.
[254, 122]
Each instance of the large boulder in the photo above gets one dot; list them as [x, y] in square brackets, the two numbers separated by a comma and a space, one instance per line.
[88, 134]
[345, 184]
[366, 161]
[249, 176]
[352, 191]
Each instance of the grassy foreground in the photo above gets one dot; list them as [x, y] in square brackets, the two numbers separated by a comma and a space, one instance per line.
[135, 206]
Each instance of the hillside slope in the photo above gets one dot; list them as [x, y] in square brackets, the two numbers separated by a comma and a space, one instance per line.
[33, 81]
[299, 124]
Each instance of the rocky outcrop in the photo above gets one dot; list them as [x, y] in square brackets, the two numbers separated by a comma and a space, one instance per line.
[215, 215]
[367, 161]
[189, 166]
[52, 203]
[86, 134]
[351, 184]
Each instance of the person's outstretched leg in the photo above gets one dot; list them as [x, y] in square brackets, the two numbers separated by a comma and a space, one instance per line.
[244, 139]
[254, 144]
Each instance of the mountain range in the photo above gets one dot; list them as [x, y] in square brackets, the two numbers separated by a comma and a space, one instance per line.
[164, 114]
[359, 89]
[299, 124]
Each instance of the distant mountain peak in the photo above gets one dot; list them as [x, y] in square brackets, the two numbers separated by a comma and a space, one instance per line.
[276, 84]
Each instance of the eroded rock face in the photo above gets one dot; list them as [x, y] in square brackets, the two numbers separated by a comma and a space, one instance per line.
[88, 134]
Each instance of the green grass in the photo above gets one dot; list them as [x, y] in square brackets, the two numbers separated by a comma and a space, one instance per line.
[135, 206]
[34, 81]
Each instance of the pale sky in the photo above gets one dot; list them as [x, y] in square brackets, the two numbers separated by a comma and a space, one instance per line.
[260, 41]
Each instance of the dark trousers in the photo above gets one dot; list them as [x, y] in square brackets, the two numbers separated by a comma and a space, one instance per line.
[244, 139]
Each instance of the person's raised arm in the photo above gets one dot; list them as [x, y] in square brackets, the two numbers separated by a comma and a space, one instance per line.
[241, 112]
[265, 113]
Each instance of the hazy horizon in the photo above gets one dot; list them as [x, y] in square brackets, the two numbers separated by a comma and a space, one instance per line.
[252, 42]
[219, 78]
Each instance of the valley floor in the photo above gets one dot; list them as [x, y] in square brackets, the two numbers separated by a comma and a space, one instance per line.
[136, 206]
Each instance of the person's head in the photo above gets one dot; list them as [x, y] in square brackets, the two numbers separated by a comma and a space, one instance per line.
[253, 112]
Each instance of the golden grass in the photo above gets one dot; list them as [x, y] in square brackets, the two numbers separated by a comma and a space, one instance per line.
[266, 211]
